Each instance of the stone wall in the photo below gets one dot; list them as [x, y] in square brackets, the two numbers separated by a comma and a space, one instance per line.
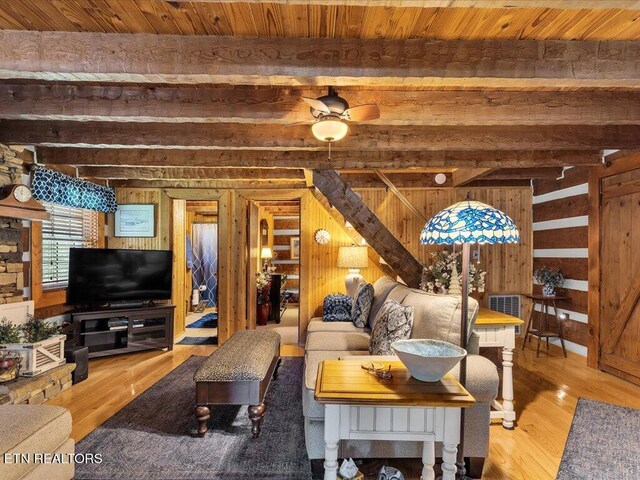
[39, 389]
[11, 269]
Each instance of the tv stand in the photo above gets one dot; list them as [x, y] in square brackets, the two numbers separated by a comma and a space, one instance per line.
[116, 330]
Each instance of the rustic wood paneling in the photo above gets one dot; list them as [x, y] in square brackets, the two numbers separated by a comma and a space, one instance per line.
[575, 206]
[578, 300]
[576, 332]
[179, 297]
[508, 266]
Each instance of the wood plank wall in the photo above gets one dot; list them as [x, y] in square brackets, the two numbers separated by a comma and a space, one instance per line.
[508, 266]
[560, 216]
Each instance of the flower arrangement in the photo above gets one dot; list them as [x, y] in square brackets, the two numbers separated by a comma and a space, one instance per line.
[550, 278]
[9, 333]
[436, 277]
[263, 284]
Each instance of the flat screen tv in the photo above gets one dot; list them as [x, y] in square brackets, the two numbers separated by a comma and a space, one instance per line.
[101, 276]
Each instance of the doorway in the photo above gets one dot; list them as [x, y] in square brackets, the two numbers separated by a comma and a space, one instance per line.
[279, 262]
[201, 279]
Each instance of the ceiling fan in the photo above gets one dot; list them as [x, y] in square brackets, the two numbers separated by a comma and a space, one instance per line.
[331, 111]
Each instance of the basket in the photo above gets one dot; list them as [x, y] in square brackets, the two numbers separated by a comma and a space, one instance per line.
[39, 357]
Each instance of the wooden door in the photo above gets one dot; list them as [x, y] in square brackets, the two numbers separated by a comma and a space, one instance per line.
[620, 274]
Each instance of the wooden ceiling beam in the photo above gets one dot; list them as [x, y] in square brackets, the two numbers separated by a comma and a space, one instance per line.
[191, 173]
[302, 159]
[299, 137]
[285, 106]
[208, 184]
[524, 173]
[176, 59]
[464, 176]
[401, 196]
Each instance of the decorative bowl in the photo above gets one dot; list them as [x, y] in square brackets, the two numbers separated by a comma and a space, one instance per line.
[428, 360]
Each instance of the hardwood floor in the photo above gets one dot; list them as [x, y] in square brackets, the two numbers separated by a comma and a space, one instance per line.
[547, 390]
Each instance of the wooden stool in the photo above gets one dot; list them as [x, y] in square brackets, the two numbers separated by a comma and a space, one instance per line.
[543, 324]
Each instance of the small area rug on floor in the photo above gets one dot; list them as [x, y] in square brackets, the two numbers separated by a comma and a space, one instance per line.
[151, 438]
[198, 341]
[210, 320]
[604, 442]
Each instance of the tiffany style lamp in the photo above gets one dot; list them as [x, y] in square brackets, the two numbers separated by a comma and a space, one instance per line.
[465, 223]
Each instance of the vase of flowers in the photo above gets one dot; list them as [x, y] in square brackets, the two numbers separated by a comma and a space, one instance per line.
[550, 279]
[263, 284]
[436, 277]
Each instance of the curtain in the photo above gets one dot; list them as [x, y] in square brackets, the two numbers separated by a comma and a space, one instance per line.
[55, 187]
[204, 241]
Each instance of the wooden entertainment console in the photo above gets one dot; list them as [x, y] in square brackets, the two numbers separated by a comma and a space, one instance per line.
[122, 330]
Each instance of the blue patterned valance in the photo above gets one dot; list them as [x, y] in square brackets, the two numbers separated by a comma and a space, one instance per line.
[55, 187]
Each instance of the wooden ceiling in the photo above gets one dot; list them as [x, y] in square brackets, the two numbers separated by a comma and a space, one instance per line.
[205, 93]
[330, 19]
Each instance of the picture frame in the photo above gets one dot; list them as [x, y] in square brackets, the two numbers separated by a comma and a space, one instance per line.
[135, 220]
[294, 245]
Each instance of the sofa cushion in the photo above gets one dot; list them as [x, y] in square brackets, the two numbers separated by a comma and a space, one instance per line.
[381, 289]
[30, 429]
[336, 342]
[438, 316]
[362, 305]
[337, 308]
[393, 323]
[317, 325]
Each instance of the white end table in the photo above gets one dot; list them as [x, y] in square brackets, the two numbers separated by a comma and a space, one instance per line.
[499, 330]
[361, 406]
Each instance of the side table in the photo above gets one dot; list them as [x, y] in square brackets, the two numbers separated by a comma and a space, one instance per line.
[361, 406]
[542, 323]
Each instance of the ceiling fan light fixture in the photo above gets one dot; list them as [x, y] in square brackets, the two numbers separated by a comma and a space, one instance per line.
[329, 129]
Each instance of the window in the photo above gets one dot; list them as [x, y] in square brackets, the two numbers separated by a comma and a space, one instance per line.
[68, 227]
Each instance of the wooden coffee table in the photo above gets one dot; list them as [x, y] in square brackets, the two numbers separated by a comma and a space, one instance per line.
[361, 406]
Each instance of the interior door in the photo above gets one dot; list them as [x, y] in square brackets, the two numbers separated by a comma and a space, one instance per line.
[253, 234]
[620, 275]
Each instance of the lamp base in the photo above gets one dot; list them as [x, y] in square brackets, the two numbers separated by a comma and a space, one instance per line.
[352, 281]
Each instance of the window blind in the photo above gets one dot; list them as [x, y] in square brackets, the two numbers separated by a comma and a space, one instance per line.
[68, 227]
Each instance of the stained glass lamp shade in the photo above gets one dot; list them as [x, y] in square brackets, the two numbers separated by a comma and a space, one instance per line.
[469, 222]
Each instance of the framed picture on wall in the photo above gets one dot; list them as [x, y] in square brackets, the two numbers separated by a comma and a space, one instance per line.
[294, 243]
[135, 220]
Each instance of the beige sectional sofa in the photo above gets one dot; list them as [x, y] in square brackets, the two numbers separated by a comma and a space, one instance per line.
[28, 432]
[435, 316]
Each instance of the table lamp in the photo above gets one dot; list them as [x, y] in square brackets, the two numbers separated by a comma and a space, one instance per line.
[266, 254]
[354, 258]
[465, 223]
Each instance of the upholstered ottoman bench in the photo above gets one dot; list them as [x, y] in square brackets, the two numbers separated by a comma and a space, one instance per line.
[238, 373]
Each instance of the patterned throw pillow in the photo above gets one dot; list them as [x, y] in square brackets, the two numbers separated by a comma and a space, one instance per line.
[362, 305]
[337, 308]
[394, 322]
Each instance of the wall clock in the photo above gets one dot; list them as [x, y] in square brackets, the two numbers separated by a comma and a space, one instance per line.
[16, 201]
[322, 236]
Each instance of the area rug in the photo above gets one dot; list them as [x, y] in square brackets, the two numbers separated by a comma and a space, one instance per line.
[151, 438]
[210, 320]
[198, 341]
[604, 442]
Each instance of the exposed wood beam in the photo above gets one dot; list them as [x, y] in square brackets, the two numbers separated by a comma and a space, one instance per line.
[191, 173]
[175, 59]
[524, 173]
[302, 159]
[367, 224]
[308, 177]
[278, 137]
[405, 201]
[285, 106]
[467, 175]
[208, 184]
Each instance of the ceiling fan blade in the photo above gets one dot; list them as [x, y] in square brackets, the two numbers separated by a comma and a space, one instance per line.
[362, 112]
[317, 104]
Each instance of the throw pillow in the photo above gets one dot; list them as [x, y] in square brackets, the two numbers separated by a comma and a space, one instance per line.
[337, 308]
[394, 322]
[362, 305]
